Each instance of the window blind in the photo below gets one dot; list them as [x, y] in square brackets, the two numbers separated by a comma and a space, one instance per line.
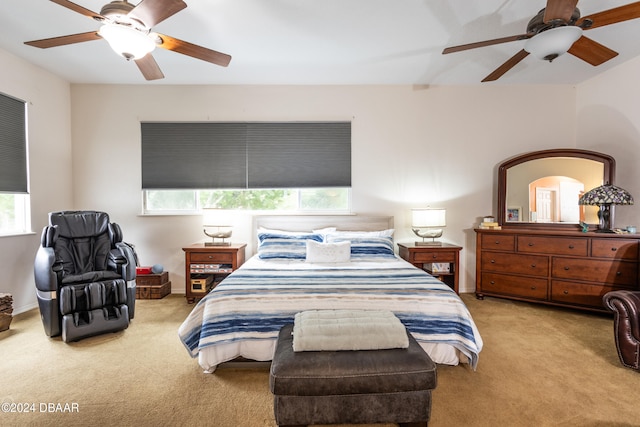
[13, 145]
[245, 155]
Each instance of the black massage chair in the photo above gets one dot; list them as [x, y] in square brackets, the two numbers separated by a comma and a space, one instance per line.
[85, 276]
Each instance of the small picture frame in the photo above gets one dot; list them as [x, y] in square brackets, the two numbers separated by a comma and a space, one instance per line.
[514, 214]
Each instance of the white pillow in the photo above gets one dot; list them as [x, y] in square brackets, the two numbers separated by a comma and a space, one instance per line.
[328, 252]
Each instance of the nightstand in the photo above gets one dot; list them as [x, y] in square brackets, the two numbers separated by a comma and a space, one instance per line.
[424, 256]
[205, 265]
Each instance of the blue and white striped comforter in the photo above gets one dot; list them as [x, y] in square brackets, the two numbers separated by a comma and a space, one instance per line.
[251, 305]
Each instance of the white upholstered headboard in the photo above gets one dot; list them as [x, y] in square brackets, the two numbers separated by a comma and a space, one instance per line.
[313, 222]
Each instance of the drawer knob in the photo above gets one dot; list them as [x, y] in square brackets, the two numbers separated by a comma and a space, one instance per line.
[530, 243]
[533, 288]
[571, 246]
[566, 292]
[492, 282]
[497, 242]
[618, 273]
[435, 256]
[533, 266]
[614, 249]
[493, 261]
[566, 268]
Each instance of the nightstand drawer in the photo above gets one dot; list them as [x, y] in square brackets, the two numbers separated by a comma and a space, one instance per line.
[434, 256]
[220, 257]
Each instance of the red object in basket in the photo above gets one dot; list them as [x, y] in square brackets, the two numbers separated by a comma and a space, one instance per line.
[143, 270]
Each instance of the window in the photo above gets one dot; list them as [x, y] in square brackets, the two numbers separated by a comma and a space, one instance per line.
[14, 197]
[302, 166]
[285, 199]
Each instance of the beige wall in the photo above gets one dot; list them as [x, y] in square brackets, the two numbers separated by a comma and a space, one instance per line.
[49, 138]
[608, 120]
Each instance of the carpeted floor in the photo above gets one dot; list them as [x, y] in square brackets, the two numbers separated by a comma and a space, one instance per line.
[540, 366]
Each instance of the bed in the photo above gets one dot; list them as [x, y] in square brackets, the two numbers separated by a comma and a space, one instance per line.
[325, 262]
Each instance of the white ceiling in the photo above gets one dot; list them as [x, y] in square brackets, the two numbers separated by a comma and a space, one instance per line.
[318, 42]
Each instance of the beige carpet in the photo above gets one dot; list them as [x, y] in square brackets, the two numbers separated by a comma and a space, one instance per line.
[541, 366]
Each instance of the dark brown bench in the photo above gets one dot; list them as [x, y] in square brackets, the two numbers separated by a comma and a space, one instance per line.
[351, 387]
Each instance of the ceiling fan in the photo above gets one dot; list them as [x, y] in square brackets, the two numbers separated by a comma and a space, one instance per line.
[127, 29]
[557, 29]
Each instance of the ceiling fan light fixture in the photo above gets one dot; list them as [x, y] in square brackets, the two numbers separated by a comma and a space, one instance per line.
[127, 41]
[550, 44]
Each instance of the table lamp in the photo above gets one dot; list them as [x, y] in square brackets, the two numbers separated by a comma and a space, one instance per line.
[605, 196]
[428, 223]
[217, 224]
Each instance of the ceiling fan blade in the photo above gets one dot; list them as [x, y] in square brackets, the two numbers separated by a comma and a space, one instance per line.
[195, 51]
[475, 45]
[81, 10]
[559, 9]
[152, 12]
[591, 51]
[149, 67]
[63, 40]
[511, 62]
[612, 16]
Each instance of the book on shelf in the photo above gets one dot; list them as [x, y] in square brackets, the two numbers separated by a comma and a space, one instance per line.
[211, 268]
[436, 268]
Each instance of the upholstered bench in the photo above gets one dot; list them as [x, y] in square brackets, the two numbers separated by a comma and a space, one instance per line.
[351, 387]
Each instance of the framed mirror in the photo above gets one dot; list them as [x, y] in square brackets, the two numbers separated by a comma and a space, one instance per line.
[541, 189]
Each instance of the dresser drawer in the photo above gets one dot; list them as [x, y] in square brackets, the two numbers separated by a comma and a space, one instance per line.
[579, 293]
[505, 284]
[553, 246]
[498, 242]
[612, 272]
[614, 248]
[218, 257]
[532, 265]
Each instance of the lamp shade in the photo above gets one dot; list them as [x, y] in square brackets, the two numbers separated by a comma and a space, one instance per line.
[127, 41]
[607, 194]
[217, 217]
[427, 217]
[552, 43]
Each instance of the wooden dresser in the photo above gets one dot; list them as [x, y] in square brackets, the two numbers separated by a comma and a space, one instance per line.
[564, 268]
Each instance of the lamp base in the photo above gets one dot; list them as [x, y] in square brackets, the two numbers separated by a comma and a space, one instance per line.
[604, 230]
[432, 243]
[217, 243]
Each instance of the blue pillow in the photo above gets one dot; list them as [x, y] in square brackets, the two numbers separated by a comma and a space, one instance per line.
[285, 245]
[366, 244]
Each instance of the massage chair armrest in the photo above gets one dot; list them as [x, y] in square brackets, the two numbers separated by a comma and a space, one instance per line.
[44, 272]
[626, 305]
[122, 261]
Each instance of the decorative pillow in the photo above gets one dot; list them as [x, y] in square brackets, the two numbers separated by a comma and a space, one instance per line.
[284, 245]
[328, 252]
[366, 243]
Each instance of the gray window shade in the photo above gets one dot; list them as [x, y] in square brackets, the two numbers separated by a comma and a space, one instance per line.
[299, 155]
[193, 155]
[246, 155]
[13, 145]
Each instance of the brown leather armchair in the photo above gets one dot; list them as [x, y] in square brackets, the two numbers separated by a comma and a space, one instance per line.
[626, 325]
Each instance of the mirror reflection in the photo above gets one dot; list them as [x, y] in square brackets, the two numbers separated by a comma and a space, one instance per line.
[541, 189]
[547, 190]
